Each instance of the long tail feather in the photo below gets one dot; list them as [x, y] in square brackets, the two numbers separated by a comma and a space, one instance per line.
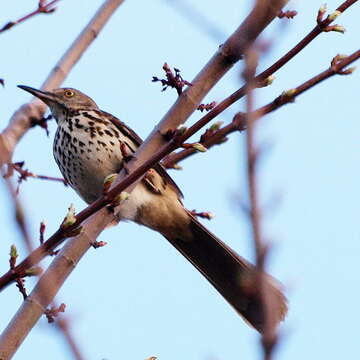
[230, 274]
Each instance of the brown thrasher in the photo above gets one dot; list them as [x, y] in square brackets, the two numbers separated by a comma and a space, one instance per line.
[90, 144]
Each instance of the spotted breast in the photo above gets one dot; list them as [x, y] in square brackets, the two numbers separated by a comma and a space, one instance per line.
[87, 148]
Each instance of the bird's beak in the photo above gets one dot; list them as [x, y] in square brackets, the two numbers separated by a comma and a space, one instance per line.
[47, 97]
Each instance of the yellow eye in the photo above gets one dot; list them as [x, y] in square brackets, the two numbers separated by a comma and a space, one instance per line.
[69, 93]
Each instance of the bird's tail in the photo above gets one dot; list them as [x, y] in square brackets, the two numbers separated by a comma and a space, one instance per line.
[230, 274]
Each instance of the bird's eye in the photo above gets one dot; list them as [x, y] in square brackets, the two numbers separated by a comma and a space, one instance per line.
[69, 93]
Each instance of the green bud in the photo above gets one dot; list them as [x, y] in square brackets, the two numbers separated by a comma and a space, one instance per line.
[339, 57]
[177, 167]
[124, 196]
[334, 15]
[339, 28]
[70, 217]
[347, 71]
[269, 80]
[120, 198]
[181, 129]
[13, 252]
[110, 179]
[323, 9]
[288, 93]
[210, 215]
[199, 147]
[216, 126]
[33, 271]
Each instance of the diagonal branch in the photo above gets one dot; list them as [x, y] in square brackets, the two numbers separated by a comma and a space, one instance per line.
[24, 174]
[239, 119]
[21, 121]
[43, 8]
[222, 61]
[44, 292]
[21, 220]
[263, 13]
[59, 236]
[268, 336]
[174, 158]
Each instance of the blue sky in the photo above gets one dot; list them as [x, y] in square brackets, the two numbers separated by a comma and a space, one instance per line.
[138, 297]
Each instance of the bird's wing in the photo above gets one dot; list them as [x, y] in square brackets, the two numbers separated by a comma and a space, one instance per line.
[136, 139]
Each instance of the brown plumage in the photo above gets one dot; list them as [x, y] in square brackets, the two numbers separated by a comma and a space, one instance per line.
[87, 149]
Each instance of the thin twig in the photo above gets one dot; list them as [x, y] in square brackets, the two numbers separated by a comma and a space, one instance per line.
[20, 282]
[59, 236]
[19, 213]
[239, 120]
[24, 174]
[174, 158]
[268, 336]
[231, 50]
[288, 14]
[24, 117]
[186, 103]
[21, 221]
[337, 67]
[65, 329]
[19, 124]
[197, 18]
[43, 8]
[173, 79]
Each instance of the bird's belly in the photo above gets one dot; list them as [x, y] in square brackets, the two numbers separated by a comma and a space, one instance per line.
[85, 160]
[86, 166]
[86, 177]
[90, 183]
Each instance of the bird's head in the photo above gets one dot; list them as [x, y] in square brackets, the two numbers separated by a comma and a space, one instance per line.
[62, 100]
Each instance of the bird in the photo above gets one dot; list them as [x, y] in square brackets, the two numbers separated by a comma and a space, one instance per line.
[90, 144]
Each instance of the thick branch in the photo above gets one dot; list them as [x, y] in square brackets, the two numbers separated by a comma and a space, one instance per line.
[239, 120]
[229, 53]
[58, 237]
[21, 220]
[281, 100]
[18, 125]
[172, 159]
[45, 290]
[263, 13]
[21, 121]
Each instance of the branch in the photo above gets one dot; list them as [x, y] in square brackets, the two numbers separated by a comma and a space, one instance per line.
[21, 221]
[197, 18]
[36, 303]
[173, 159]
[19, 215]
[23, 118]
[337, 67]
[233, 42]
[268, 336]
[228, 54]
[63, 264]
[43, 8]
[239, 120]
[59, 236]
[24, 174]
[65, 329]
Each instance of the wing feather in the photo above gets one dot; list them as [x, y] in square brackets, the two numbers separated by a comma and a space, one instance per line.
[136, 139]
